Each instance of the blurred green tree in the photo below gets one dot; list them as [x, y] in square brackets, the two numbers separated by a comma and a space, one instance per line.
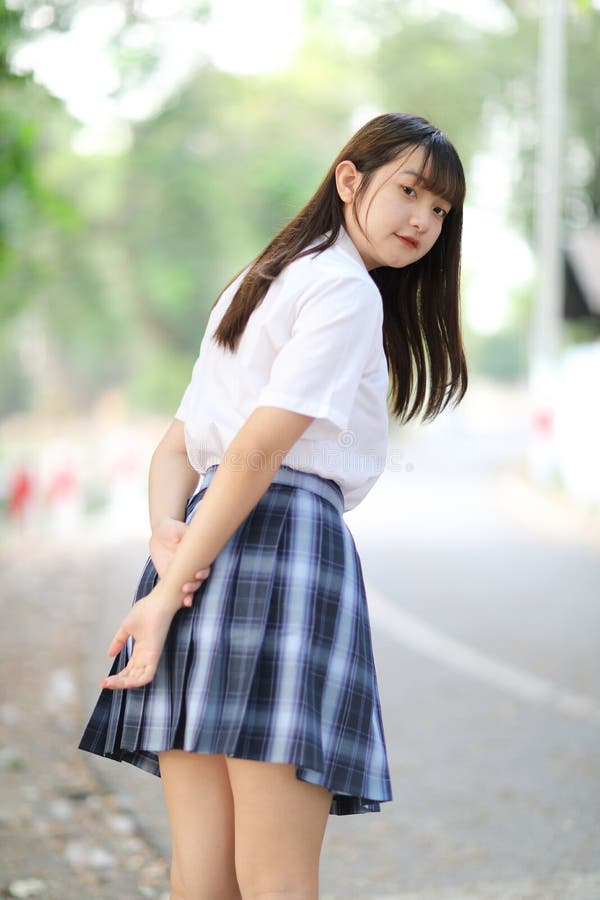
[110, 262]
[29, 204]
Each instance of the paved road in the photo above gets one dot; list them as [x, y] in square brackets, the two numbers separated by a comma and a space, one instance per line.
[486, 624]
[486, 621]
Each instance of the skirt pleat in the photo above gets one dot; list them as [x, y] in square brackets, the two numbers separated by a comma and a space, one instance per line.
[272, 662]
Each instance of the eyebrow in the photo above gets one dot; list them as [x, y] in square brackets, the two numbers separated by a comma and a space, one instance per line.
[420, 176]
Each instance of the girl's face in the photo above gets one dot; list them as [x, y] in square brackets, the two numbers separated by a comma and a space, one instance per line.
[399, 220]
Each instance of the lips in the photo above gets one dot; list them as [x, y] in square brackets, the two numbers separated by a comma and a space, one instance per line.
[408, 241]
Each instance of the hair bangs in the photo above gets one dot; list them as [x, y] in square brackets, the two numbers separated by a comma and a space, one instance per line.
[442, 172]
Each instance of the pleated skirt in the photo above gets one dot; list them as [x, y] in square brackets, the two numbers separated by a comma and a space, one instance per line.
[274, 659]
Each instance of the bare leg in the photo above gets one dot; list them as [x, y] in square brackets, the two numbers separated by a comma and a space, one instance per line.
[200, 810]
[279, 827]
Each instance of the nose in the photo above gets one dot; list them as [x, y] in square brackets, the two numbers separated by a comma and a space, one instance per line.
[420, 219]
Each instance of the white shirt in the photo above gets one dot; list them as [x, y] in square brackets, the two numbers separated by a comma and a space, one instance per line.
[314, 345]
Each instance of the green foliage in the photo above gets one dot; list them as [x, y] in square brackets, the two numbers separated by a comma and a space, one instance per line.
[438, 73]
[14, 388]
[208, 183]
[26, 198]
[156, 383]
[584, 6]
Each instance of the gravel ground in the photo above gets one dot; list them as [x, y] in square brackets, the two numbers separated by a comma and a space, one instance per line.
[62, 834]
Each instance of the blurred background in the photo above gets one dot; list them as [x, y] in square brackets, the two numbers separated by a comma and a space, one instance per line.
[148, 150]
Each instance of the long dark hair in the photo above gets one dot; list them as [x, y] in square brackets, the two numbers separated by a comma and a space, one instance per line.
[421, 316]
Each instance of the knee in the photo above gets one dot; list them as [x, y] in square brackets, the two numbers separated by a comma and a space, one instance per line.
[277, 878]
[198, 887]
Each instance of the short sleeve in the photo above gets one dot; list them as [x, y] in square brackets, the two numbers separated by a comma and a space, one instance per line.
[187, 401]
[184, 407]
[318, 370]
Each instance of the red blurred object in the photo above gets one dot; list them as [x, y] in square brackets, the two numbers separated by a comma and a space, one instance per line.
[20, 492]
[63, 484]
[543, 421]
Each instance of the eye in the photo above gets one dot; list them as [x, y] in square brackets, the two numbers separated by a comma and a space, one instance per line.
[441, 212]
[410, 192]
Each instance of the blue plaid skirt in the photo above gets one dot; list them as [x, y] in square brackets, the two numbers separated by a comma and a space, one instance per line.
[272, 662]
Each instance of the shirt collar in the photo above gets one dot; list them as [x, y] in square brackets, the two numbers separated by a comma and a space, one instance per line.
[345, 242]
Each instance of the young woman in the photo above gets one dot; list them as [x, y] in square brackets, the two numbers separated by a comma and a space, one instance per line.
[244, 672]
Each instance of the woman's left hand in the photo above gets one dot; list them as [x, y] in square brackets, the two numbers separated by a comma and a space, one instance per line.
[147, 623]
[165, 539]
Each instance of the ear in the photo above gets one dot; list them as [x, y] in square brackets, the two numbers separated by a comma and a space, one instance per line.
[347, 179]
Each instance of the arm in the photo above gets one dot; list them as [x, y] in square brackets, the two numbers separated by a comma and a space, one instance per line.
[171, 482]
[172, 479]
[244, 474]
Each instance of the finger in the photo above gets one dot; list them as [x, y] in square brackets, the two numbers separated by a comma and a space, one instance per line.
[200, 576]
[118, 642]
[129, 677]
[191, 586]
[122, 683]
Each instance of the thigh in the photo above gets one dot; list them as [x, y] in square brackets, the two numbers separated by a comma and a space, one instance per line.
[200, 809]
[279, 826]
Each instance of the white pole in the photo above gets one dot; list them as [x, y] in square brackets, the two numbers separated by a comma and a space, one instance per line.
[546, 319]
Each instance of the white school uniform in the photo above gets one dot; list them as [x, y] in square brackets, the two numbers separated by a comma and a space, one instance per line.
[314, 345]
